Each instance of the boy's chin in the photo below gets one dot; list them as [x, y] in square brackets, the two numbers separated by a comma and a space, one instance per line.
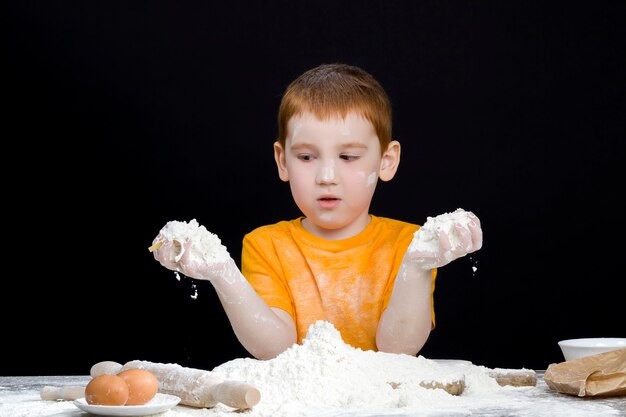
[333, 228]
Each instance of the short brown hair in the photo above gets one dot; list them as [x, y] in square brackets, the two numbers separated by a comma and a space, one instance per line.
[337, 89]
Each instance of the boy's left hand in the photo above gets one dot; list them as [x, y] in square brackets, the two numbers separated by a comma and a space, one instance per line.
[433, 249]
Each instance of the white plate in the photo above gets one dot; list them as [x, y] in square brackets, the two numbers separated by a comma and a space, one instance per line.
[159, 404]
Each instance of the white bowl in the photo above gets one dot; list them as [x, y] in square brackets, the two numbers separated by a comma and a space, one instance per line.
[579, 348]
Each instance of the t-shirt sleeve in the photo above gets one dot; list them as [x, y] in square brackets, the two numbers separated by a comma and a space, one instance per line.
[261, 267]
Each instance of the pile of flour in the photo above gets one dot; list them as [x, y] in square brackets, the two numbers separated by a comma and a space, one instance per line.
[426, 238]
[206, 247]
[325, 373]
[324, 377]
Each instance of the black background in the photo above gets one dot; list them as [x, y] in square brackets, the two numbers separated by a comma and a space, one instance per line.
[122, 116]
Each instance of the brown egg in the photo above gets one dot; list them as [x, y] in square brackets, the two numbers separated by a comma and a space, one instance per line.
[142, 385]
[107, 390]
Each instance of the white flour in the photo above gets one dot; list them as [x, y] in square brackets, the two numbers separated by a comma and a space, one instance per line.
[324, 373]
[426, 239]
[205, 247]
[324, 377]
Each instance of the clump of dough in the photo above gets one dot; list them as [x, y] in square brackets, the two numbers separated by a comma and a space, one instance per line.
[206, 247]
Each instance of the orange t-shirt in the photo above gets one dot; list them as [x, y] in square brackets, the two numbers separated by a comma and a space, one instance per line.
[346, 282]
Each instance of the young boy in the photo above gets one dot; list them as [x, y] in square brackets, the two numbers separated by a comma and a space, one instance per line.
[337, 262]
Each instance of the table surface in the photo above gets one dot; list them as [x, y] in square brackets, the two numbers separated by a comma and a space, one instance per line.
[19, 397]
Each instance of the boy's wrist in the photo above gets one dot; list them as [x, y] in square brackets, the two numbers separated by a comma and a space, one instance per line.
[227, 273]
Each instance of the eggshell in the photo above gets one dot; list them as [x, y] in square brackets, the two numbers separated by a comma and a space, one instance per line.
[105, 367]
[107, 389]
[142, 385]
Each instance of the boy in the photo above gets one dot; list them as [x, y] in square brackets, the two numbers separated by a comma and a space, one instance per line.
[337, 262]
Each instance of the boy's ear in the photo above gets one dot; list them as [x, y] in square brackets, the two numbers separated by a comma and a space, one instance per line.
[390, 161]
[279, 156]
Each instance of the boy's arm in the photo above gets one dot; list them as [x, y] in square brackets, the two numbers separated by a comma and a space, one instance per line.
[405, 324]
[263, 331]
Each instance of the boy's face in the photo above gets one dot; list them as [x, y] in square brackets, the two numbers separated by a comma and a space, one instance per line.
[332, 167]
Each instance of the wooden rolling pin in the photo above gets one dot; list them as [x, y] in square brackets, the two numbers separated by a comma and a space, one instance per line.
[514, 377]
[69, 392]
[197, 387]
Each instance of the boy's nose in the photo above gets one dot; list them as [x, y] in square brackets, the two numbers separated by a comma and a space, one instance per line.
[326, 173]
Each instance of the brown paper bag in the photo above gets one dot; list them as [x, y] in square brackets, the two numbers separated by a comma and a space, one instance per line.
[603, 374]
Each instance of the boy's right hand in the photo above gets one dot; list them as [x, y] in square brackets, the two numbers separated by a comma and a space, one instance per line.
[176, 256]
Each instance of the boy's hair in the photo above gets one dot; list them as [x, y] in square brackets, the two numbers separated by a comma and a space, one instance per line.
[334, 90]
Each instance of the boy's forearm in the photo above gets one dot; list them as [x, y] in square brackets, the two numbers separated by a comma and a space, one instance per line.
[405, 324]
[263, 331]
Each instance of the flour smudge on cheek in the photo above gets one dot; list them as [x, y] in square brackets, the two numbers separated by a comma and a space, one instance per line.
[370, 179]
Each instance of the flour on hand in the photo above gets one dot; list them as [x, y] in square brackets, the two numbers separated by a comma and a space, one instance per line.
[206, 247]
[426, 238]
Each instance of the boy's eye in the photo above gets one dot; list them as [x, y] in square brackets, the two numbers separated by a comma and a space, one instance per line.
[349, 157]
[305, 157]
